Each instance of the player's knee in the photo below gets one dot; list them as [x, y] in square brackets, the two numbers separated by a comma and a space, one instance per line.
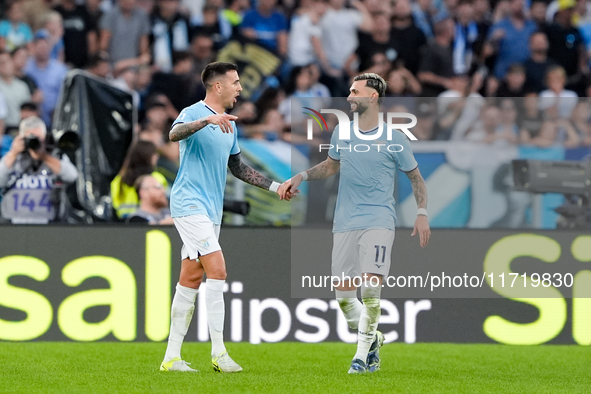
[370, 294]
[218, 273]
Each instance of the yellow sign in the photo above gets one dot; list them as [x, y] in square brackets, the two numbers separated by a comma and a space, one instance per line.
[121, 296]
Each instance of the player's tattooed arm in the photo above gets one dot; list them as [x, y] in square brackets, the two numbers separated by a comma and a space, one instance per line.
[323, 170]
[246, 173]
[418, 187]
[180, 131]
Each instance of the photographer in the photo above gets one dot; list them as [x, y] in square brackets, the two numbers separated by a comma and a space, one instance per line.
[31, 175]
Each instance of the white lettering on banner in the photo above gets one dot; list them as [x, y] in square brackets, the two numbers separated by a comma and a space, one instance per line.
[257, 332]
[306, 320]
[411, 310]
[321, 325]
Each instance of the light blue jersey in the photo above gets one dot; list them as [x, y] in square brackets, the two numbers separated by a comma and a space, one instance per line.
[201, 179]
[366, 186]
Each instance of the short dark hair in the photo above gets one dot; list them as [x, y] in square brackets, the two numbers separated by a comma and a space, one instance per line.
[374, 81]
[214, 70]
[179, 56]
[29, 106]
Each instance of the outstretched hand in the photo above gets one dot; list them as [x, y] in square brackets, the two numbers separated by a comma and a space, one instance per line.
[422, 228]
[222, 120]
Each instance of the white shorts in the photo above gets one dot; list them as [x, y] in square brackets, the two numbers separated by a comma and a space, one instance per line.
[199, 236]
[362, 252]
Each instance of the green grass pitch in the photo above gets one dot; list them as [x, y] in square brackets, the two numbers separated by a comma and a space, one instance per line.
[45, 367]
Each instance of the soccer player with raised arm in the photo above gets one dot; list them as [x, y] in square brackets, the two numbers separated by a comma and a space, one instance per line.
[208, 146]
[364, 216]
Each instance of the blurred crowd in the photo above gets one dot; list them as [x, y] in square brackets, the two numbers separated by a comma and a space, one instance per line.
[473, 56]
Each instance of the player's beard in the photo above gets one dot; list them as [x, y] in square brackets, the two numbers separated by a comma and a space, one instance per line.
[360, 107]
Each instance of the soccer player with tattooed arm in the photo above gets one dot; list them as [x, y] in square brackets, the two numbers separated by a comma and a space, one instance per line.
[208, 146]
[364, 219]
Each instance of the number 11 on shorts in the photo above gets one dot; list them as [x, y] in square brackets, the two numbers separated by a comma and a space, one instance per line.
[378, 252]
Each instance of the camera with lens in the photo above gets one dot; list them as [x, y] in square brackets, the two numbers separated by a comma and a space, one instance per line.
[32, 142]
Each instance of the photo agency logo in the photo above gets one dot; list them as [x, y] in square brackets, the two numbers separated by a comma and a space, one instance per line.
[393, 120]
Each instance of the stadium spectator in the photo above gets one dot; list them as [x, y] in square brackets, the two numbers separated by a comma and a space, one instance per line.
[202, 49]
[298, 96]
[509, 129]
[537, 64]
[125, 77]
[20, 58]
[556, 130]
[305, 44]
[402, 83]
[556, 96]
[537, 11]
[267, 26]
[93, 7]
[436, 67]
[14, 32]
[124, 33]
[486, 129]
[168, 151]
[55, 27]
[513, 85]
[80, 33]
[233, 14]
[153, 204]
[15, 91]
[509, 38]
[379, 41]
[195, 9]
[160, 112]
[141, 160]
[48, 73]
[170, 32]
[318, 89]
[378, 64]
[566, 46]
[530, 119]
[339, 30]
[213, 26]
[98, 65]
[179, 85]
[425, 112]
[580, 120]
[28, 110]
[459, 106]
[465, 37]
[408, 38]
[31, 171]
[422, 13]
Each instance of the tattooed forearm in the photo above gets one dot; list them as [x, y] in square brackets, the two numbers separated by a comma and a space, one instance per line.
[418, 187]
[323, 170]
[250, 175]
[180, 131]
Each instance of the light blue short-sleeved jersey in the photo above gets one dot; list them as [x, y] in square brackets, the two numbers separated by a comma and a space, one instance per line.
[366, 185]
[201, 179]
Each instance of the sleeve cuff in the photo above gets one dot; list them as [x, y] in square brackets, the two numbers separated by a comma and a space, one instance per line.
[406, 172]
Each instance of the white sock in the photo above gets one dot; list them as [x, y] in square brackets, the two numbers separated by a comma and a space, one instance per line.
[214, 302]
[183, 305]
[351, 307]
[368, 322]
